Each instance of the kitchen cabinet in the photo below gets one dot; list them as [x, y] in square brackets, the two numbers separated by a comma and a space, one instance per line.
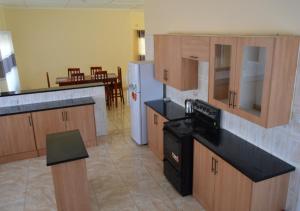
[219, 186]
[17, 137]
[253, 77]
[47, 122]
[155, 136]
[59, 120]
[170, 67]
[195, 47]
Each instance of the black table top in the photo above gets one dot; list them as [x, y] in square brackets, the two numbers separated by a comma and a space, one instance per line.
[169, 109]
[26, 108]
[249, 159]
[65, 147]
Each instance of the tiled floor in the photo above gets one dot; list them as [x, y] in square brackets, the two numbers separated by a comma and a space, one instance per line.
[122, 176]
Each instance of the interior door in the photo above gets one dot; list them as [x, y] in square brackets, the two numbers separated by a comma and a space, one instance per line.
[253, 75]
[232, 188]
[47, 122]
[222, 71]
[203, 176]
[17, 134]
[82, 118]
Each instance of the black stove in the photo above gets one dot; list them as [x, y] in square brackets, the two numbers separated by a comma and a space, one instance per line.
[178, 144]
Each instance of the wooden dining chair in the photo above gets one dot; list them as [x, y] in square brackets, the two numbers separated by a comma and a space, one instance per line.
[95, 69]
[73, 71]
[102, 77]
[77, 77]
[48, 80]
[120, 92]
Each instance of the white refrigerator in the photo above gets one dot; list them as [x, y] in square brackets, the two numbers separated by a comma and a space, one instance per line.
[142, 87]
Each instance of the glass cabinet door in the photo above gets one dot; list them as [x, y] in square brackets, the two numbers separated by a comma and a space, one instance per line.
[222, 68]
[253, 72]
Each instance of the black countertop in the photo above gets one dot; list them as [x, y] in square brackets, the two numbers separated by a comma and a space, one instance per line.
[65, 147]
[26, 108]
[169, 110]
[53, 89]
[249, 159]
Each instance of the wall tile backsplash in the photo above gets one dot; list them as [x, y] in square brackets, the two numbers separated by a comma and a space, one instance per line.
[282, 141]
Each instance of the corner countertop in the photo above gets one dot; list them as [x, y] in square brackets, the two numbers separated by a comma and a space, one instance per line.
[26, 108]
[255, 163]
[65, 147]
[169, 109]
[52, 89]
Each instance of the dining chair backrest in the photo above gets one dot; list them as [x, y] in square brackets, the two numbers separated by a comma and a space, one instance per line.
[48, 80]
[101, 76]
[77, 77]
[95, 69]
[120, 75]
[73, 71]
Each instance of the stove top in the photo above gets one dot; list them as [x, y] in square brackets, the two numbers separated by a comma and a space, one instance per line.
[205, 120]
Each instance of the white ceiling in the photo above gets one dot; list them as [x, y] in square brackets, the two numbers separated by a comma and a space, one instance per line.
[126, 4]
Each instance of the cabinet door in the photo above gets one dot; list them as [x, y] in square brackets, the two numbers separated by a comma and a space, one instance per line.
[222, 71]
[47, 122]
[82, 118]
[203, 176]
[195, 47]
[160, 137]
[167, 56]
[254, 65]
[232, 188]
[152, 121]
[16, 134]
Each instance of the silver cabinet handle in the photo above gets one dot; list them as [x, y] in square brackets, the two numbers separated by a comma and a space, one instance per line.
[30, 121]
[216, 166]
[165, 74]
[66, 115]
[63, 116]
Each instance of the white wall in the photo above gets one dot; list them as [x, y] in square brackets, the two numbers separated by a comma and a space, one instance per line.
[236, 17]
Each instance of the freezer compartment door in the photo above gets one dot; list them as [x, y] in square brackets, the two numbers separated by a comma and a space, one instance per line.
[133, 77]
[135, 116]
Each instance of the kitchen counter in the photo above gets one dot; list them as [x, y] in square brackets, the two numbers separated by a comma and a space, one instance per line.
[65, 147]
[169, 110]
[26, 108]
[249, 159]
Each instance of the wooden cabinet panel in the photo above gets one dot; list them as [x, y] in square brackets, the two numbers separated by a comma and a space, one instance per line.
[47, 122]
[232, 189]
[160, 137]
[151, 130]
[155, 134]
[17, 135]
[203, 176]
[195, 47]
[170, 67]
[82, 118]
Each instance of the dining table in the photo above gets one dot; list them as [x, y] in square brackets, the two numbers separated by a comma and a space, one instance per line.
[112, 79]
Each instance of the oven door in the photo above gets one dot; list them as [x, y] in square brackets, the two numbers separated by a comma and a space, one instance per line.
[172, 149]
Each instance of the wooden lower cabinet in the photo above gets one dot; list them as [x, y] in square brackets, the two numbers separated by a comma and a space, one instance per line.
[220, 187]
[17, 137]
[155, 124]
[83, 119]
[59, 120]
[47, 122]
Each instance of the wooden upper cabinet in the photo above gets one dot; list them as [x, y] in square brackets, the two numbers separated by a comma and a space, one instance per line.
[17, 135]
[170, 67]
[195, 47]
[222, 71]
[253, 77]
[47, 122]
[82, 118]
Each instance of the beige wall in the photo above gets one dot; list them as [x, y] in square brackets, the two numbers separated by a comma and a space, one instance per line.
[54, 39]
[232, 17]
